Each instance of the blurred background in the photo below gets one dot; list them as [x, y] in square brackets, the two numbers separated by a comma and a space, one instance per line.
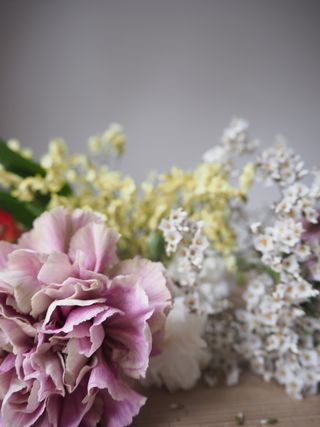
[172, 72]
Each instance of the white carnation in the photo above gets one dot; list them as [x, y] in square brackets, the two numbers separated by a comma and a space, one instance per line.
[184, 352]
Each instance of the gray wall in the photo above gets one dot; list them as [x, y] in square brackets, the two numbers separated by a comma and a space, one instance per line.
[173, 72]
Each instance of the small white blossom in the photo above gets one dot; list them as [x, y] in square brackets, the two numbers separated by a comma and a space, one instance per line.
[290, 264]
[263, 243]
[281, 165]
[217, 154]
[177, 217]
[236, 137]
[165, 226]
[302, 251]
[255, 227]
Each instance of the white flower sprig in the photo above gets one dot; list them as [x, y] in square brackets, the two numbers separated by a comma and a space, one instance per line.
[235, 141]
[280, 164]
[203, 286]
[280, 338]
[185, 238]
[185, 352]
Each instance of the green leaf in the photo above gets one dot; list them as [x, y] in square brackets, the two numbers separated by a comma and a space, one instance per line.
[24, 213]
[66, 190]
[244, 266]
[18, 164]
[14, 162]
[156, 246]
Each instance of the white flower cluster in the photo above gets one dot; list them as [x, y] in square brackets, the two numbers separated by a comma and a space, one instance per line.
[185, 238]
[222, 334]
[279, 336]
[299, 199]
[281, 164]
[236, 137]
[210, 294]
[198, 333]
[235, 141]
[278, 330]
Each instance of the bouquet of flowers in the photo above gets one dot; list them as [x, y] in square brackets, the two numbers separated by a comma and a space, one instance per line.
[106, 285]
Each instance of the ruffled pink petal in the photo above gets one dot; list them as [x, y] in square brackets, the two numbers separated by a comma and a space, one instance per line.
[43, 421]
[151, 277]
[76, 366]
[74, 406]
[93, 341]
[102, 376]
[19, 340]
[53, 411]
[7, 363]
[120, 402]
[72, 288]
[48, 368]
[8, 312]
[21, 274]
[100, 319]
[88, 345]
[7, 372]
[121, 413]
[129, 334]
[80, 218]
[90, 335]
[53, 230]
[76, 310]
[81, 312]
[93, 416]
[56, 269]
[94, 247]
[21, 409]
[26, 261]
[5, 249]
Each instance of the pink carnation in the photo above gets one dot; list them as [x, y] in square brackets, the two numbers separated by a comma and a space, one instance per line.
[76, 325]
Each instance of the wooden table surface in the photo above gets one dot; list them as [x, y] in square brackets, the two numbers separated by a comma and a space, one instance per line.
[217, 407]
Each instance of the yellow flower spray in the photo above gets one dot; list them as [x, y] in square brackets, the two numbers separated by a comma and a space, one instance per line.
[204, 193]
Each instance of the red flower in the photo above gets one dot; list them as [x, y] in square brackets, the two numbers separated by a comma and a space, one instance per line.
[8, 227]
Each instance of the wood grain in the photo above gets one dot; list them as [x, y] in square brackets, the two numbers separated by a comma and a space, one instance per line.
[217, 407]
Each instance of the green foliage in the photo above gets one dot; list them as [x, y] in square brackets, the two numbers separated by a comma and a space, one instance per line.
[14, 162]
[23, 213]
[156, 246]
